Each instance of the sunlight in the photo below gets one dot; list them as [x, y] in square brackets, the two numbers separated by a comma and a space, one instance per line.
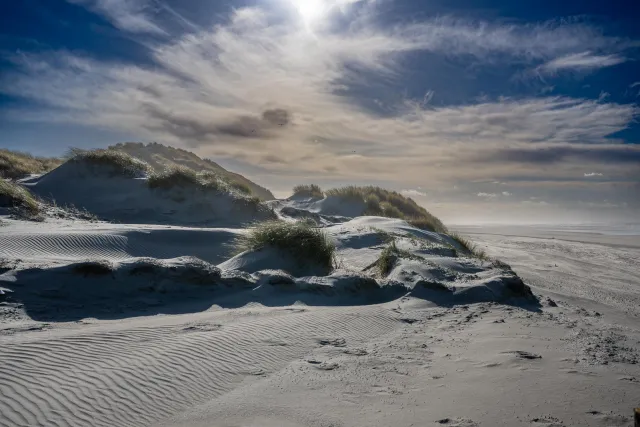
[309, 10]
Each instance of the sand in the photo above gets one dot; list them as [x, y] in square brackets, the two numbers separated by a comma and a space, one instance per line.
[177, 332]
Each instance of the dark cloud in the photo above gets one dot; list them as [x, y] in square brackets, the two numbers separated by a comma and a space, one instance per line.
[551, 155]
[276, 117]
[196, 130]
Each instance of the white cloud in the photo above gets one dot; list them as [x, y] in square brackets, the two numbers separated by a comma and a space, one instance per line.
[584, 61]
[129, 15]
[488, 195]
[413, 193]
[507, 194]
[247, 89]
[592, 174]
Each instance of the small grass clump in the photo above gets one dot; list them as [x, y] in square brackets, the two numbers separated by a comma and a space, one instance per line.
[93, 268]
[241, 188]
[15, 165]
[15, 196]
[390, 255]
[311, 190]
[119, 163]
[470, 247]
[381, 202]
[304, 242]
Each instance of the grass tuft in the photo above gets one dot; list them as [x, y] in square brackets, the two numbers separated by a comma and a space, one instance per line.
[470, 247]
[304, 242]
[119, 163]
[311, 190]
[381, 202]
[15, 196]
[390, 255]
[93, 268]
[16, 165]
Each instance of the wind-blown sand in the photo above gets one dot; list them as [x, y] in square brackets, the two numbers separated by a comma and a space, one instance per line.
[153, 336]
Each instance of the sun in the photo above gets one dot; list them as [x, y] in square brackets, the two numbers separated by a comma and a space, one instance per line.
[309, 10]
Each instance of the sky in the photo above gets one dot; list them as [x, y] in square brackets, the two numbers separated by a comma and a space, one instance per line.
[482, 111]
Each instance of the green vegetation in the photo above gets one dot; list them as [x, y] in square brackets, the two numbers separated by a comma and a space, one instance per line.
[93, 268]
[241, 188]
[470, 247]
[381, 202]
[390, 255]
[311, 190]
[180, 176]
[15, 165]
[305, 243]
[161, 157]
[15, 196]
[120, 164]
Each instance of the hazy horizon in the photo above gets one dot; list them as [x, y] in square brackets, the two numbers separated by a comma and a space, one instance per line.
[482, 111]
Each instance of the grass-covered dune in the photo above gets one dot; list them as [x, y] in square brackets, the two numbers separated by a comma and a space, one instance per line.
[378, 202]
[16, 197]
[15, 165]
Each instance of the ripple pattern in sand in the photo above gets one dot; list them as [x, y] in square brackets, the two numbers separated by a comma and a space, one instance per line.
[134, 377]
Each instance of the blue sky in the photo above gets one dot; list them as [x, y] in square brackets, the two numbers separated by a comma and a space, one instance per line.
[489, 109]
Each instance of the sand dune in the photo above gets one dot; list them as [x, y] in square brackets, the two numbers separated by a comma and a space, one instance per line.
[145, 324]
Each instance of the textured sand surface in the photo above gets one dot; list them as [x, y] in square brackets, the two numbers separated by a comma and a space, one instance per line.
[331, 359]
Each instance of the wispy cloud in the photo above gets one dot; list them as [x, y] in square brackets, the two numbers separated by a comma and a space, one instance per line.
[488, 195]
[272, 96]
[584, 61]
[507, 194]
[592, 174]
[135, 16]
[413, 193]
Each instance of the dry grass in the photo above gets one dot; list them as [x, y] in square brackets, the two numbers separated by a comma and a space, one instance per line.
[470, 247]
[390, 256]
[183, 177]
[381, 202]
[15, 165]
[311, 190]
[304, 242]
[15, 196]
[118, 163]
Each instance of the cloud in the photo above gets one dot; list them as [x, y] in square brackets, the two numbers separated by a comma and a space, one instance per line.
[251, 89]
[488, 195]
[506, 194]
[584, 61]
[592, 174]
[413, 193]
[546, 155]
[129, 15]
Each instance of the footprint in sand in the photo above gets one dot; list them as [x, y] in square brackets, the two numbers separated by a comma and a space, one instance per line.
[335, 342]
[457, 422]
[523, 354]
[547, 421]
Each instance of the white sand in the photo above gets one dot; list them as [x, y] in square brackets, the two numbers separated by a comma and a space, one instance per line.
[179, 342]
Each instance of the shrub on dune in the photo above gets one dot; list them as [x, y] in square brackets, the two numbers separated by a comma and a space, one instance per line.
[15, 165]
[300, 239]
[311, 190]
[15, 196]
[118, 163]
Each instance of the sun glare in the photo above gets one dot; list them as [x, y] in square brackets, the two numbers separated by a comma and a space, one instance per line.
[309, 10]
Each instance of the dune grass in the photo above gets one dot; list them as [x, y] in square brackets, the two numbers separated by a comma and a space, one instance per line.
[304, 242]
[15, 196]
[470, 247]
[183, 177]
[311, 190]
[390, 255]
[119, 163]
[15, 165]
[381, 202]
